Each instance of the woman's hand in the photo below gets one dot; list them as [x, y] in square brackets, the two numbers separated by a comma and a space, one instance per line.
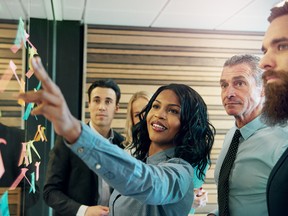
[52, 105]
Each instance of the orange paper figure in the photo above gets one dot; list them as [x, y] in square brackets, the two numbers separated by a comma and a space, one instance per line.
[40, 134]
[23, 156]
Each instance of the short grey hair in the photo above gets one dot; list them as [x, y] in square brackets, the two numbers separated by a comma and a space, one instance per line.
[252, 61]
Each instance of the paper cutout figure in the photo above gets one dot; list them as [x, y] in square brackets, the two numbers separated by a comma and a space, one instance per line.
[19, 179]
[5, 79]
[32, 53]
[32, 188]
[3, 141]
[37, 164]
[26, 155]
[27, 36]
[29, 146]
[2, 168]
[23, 156]
[20, 37]
[29, 73]
[30, 105]
[20, 101]
[13, 68]
[28, 111]
[4, 208]
[40, 134]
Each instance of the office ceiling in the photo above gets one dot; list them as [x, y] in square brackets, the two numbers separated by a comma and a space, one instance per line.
[227, 15]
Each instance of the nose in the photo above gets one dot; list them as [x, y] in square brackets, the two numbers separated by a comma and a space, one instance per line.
[161, 114]
[102, 106]
[267, 62]
[230, 92]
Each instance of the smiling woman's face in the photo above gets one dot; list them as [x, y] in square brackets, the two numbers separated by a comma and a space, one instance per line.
[163, 119]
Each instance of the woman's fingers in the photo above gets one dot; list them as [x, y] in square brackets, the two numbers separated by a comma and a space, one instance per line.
[51, 103]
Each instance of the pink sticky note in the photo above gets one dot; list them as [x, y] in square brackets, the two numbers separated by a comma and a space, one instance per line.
[13, 68]
[23, 155]
[19, 178]
[3, 141]
[2, 168]
[29, 73]
[37, 164]
[14, 48]
[5, 79]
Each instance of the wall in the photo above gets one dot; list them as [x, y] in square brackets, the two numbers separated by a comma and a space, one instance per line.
[10, 110]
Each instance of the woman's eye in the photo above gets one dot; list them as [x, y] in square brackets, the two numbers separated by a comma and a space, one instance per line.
[174, 111]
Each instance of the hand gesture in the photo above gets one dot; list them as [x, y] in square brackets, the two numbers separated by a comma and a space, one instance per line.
[51, 104]
[97, 211]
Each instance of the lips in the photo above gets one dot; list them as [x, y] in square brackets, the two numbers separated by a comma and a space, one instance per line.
[270, 79]
[101, 115]
[231, 103]
[270, 76]
[158, 126]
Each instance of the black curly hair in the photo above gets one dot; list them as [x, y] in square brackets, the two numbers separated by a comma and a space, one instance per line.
[195, 138]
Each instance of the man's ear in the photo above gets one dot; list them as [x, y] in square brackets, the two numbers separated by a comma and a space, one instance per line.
[117, 107]
[263, 92]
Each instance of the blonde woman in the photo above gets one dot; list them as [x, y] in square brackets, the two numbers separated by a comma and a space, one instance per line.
[135, 105]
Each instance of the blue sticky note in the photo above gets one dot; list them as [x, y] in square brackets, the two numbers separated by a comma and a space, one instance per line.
[4, 208]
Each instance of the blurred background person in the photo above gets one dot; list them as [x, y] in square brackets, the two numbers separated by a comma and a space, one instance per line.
[135, 105]
[71, 188]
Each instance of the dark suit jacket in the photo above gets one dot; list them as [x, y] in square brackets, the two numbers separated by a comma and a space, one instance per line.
[277, 187]
[69, 182]
[10, 155]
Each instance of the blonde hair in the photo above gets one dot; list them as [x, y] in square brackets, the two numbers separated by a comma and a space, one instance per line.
[129, 121]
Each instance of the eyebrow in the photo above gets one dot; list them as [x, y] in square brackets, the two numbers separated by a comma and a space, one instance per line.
[234, 78]
[275, 41]
[106, 98]
[170, 104]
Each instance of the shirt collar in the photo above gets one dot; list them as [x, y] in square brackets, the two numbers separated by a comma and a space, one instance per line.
[161, 156]
[111, 133]
[250, 128]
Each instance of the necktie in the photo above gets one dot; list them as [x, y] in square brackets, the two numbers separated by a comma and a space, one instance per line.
[223, 183]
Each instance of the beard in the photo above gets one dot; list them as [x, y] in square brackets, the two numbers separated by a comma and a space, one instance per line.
[275, 109]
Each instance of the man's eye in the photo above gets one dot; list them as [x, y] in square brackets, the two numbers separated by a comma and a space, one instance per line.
[223, 85]
[283, 47]
[239, 83]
